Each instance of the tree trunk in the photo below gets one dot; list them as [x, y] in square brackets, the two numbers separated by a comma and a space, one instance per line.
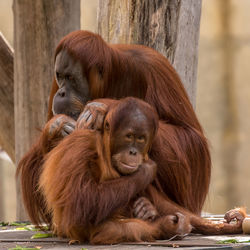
[171, 27]
[7, 132]
[38, 27]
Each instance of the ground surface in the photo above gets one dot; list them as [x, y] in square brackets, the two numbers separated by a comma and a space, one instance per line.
[21, 236]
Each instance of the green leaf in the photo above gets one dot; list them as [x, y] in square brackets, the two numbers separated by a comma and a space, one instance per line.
[19, 223]
[20, 229]
[233, 241]
[228, 241]
[22, 248]
[28, 228]
[32, 228]
[40, 236]
[43, 228]
[3, 224]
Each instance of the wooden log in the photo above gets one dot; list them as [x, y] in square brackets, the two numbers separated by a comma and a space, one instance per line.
[171, 27]
[7, 131]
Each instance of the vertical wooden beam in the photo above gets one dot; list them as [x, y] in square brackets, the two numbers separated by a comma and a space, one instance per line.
[7, 131]
[38, 27]
[171, 27]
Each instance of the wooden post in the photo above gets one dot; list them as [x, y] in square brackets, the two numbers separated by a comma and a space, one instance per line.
[38, 27]
[171, 27]
[7, 131]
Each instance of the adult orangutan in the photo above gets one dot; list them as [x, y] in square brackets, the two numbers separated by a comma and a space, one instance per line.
[93, 183]
[87, 68]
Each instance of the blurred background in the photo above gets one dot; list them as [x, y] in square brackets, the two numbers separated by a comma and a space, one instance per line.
[222, 105]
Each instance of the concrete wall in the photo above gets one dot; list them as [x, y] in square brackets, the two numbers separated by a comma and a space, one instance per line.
[223, 99]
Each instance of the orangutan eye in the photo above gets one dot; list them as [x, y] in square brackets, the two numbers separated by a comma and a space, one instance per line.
[58, 76]
[141, 139]
[129, 136]
[69, 77]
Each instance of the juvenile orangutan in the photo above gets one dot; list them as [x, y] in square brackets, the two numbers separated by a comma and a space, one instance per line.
[97, 184]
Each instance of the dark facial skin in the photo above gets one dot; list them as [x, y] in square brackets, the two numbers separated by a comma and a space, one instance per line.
[130, 143]
[73, 90]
